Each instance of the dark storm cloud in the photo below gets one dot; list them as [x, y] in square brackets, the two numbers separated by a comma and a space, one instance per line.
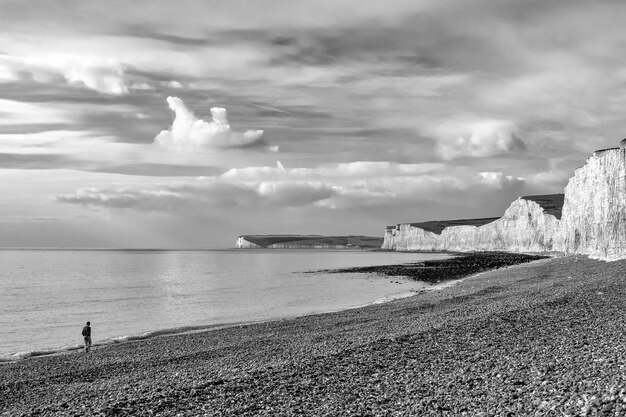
[34, 161]
[48, 161]
[159, 170]
[143, 32]
[123, 125]
[158, 79]
[37, 92]
[31, 127]
[372, 44]
[132, 118]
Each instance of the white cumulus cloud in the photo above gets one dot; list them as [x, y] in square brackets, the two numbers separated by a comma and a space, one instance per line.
[478, 139]
[360, 185]
[106, 76]
[107, 79]
[190, 133]
[203, 194]
[499, 180]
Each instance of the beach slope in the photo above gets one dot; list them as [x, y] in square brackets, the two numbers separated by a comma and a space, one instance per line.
[533, 339]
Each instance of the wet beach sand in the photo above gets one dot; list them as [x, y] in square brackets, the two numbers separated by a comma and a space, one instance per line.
[541, 338]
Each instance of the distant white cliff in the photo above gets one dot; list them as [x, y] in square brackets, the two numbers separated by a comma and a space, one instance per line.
[307, 242]
[590, 219]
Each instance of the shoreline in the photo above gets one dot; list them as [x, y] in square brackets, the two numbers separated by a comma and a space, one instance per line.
[213, 296]
[457, 266]
[447, 270]
[12, 357]
[532, 337]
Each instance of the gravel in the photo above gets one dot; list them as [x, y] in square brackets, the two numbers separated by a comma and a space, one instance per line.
[544, 338]
[439, 270]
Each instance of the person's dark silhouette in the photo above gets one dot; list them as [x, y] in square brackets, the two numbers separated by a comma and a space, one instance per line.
[87, 336]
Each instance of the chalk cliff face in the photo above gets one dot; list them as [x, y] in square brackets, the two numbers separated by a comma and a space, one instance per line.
[594, 212]
[243, 243]
[590, 219]
[525, 227]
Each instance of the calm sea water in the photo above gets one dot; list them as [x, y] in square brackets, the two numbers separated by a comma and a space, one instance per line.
[47, 296]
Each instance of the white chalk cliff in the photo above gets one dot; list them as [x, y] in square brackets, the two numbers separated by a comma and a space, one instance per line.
[527, 226]
[590, 219]
[594, 211]
[306, 242]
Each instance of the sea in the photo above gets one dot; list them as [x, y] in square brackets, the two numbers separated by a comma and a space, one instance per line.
[47, 296]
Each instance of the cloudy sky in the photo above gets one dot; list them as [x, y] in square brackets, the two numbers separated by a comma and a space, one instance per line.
[168, 124]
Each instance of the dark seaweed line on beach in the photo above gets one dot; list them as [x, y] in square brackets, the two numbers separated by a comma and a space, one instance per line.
[438, 270]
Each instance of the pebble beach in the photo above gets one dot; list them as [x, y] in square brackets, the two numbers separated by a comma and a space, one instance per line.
[540, 338]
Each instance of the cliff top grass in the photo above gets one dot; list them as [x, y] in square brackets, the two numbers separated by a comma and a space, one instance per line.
[550, 203]
[437, 226]
[312, 240]
[622, 145]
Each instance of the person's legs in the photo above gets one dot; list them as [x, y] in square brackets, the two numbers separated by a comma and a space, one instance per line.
[87, 343]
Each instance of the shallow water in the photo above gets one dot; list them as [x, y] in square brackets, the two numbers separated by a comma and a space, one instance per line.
[46, 296]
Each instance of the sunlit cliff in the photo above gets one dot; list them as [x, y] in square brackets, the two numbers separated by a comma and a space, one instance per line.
[589, 218]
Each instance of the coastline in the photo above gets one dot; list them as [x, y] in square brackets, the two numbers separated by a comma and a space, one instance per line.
[10, 357]
[527, 338]
[169, 292]
[429, 272]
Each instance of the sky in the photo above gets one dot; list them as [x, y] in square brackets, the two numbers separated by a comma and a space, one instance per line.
[161, 124]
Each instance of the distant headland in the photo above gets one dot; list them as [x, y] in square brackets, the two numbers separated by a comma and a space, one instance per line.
[308, 242]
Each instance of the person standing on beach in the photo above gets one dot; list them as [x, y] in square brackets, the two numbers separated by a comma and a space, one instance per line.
[87, 336]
